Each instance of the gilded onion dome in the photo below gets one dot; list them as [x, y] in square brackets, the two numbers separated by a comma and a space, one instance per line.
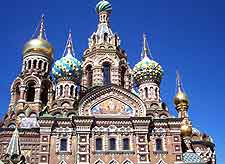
[180, 98]
[68, 67]
[147, 69]
[39, 44]
[103, 6]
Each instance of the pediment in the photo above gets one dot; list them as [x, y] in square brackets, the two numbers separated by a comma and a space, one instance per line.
[111, 101]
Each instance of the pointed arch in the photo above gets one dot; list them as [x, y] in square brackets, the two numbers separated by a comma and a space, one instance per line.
[114, 92]
[62, 162]
[161, 162]
[127, 162]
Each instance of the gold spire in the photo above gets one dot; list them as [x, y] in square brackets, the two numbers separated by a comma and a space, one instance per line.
[42, 28]
[180, 100]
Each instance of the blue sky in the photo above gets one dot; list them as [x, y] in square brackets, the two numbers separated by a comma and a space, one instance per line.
[187, 35]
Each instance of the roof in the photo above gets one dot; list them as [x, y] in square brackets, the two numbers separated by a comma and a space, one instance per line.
[192, 158]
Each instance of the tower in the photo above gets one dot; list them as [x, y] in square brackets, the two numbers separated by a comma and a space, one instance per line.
[66, 72]
[104, 62]
[32, 89]
[147, 75]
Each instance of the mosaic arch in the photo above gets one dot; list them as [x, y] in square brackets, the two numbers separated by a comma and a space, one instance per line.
[112, 106]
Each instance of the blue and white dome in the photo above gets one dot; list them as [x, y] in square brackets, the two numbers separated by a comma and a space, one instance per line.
[68, 67]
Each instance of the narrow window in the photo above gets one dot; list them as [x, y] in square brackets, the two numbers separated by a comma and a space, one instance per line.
[40, 64]
[158, 144]
[126, 144]
[29, 64]
[17, 92]
[71, 91]
[30, 92]
[123, 71]
[146, 92]
[98, 144]
[35, 64]
[112, 144]
[61, 90]
[106, 73]
[63, 144]
[89, 72]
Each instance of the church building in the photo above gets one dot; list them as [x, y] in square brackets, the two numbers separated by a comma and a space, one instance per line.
[98, 110]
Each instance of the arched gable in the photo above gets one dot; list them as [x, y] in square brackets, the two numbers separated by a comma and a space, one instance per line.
[117, 96]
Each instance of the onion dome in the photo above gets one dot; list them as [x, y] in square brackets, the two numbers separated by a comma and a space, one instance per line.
[39, 44]
[68, 67]
[147, 69]
[180, 98]
[103, 6]
[186, 128]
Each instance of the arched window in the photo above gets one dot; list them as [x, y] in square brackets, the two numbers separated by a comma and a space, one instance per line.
[123, 71]
[106, 73]
[40, 64]
[63, 144]
[35, 64]
[89, 73]
[146, 92]
[61, 90]
[71, 90]
[126, 144]
[98, 144]
[30, 92]
[44, 94]
[29, 64]
[158, 144]
[112, 144]
[45, 66]
[17, 92]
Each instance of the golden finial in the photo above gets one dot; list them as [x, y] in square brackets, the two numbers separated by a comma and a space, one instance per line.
[42, 28]
[180, 100]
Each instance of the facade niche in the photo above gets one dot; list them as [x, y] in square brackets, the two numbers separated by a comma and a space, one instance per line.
[44, 94]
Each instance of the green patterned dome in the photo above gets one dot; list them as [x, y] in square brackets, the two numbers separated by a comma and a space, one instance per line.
[102, 6]
[147, 70]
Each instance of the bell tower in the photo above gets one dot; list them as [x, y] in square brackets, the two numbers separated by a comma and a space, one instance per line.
[32, 89]
[104, 62]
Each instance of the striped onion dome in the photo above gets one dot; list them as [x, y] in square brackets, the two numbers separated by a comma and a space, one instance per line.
[103, 6]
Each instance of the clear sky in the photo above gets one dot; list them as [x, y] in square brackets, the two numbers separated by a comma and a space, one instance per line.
[184, 34]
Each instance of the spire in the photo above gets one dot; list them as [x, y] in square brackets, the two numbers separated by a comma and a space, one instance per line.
[14, 146]
[179, 89]
[40, 31]
[69, 46]
[145, 52]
